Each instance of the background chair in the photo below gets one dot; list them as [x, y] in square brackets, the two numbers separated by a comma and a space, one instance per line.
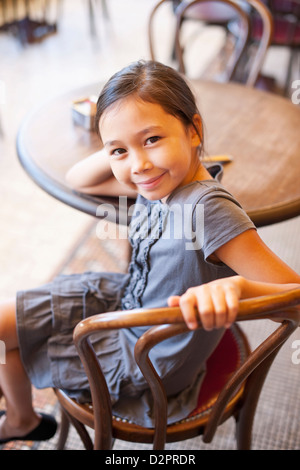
[233, 17]
[232, 385]
[286, 19]
[94, 10]
[29, 21]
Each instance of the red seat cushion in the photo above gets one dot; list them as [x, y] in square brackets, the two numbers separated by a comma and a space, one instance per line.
[284, 6]
[226, 358]
[285, 32]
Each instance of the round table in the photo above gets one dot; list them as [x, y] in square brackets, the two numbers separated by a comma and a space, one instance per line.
[260, 130]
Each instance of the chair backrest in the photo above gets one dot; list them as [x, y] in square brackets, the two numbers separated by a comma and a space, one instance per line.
[286, 19]
[209, 12]
[238, 16]
[280, 307]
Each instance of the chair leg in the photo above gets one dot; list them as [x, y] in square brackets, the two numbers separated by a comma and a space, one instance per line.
[66, 419]
[105, 9]
[244, 423]
[84, 435]
[63, 431]
[245, 416]
[287, 88]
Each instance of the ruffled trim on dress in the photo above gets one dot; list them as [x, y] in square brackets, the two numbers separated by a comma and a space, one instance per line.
[146, 228]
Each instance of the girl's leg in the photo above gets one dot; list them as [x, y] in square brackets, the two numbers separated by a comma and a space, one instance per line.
[20, 417]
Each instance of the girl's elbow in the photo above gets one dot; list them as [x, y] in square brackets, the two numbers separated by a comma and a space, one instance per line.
[72, 180]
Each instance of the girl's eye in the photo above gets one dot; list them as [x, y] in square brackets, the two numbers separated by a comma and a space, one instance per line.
[152, 140]
[117, 152]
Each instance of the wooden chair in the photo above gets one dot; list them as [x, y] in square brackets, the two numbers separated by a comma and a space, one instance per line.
[238, 23]
[286, 31]
[211, 13]
[93, 6]
[232, 384]
[28, 21]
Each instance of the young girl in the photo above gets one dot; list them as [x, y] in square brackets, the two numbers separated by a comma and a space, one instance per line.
[192, 246]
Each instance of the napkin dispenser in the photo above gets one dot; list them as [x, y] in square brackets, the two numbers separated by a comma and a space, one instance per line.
[84, 112]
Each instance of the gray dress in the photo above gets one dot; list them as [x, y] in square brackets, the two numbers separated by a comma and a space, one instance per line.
[171, 244]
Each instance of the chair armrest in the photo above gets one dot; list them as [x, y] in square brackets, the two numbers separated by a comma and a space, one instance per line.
[280, 307]
[269, 306]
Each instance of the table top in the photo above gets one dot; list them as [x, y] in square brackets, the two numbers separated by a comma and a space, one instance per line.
[259, 130]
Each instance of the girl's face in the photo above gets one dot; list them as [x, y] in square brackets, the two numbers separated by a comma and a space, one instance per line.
[150, 150]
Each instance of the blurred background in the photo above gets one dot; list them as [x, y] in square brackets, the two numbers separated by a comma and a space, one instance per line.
[39, 234]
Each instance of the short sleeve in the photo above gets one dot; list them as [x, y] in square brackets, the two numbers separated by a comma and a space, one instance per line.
[224, 219]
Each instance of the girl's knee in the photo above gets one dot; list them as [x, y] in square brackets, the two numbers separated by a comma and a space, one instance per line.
[8, 332]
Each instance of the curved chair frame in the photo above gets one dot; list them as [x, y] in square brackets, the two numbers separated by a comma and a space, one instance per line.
[180, 12]
[286, 19]
[242, 41]
[250, 375]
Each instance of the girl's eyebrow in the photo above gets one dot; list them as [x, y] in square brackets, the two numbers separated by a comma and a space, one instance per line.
[147, 130]
[112, 143]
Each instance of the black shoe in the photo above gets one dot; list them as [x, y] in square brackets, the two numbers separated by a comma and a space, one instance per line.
[45, 430]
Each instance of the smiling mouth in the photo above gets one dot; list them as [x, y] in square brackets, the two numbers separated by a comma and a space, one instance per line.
[151, 182]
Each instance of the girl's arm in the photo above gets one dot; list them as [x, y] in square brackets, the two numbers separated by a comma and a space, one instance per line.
[93, 175]
[260, 272]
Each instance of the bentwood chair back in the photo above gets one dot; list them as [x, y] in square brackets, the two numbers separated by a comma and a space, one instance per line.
[286, 31]
[235, 18]
[232, 385]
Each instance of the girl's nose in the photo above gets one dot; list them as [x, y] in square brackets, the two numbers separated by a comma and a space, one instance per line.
[140, 163]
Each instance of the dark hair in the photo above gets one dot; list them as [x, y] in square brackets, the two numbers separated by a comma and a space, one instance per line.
[155, 83]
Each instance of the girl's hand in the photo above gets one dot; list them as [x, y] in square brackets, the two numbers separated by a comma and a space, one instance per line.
[214, 303]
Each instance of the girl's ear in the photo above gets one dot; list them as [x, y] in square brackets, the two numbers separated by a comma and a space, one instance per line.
[197, 130]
